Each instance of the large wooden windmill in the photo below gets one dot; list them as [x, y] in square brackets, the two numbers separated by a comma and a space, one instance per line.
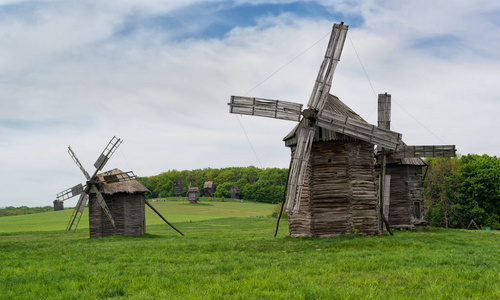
[306, 219]
[116, 199]
[402, 183]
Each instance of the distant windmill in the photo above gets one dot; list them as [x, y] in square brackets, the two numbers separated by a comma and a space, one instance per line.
[355, 207]
[178, 188]
[122, 191]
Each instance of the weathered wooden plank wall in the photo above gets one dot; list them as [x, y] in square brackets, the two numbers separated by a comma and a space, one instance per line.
[128, 211]
[340, 192]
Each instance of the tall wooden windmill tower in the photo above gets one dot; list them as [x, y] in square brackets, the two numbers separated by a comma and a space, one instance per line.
[334, 202]
[116, 199]
[402, 186]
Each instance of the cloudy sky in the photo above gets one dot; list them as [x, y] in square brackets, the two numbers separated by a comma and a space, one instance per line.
[159, 74]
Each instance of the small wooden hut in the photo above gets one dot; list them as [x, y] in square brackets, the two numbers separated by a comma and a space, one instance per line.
[125, 200]
[208, 189]
[193, 194]
[235, 192]
[58, 205]
[404, 193]
[340, 190]
[178, 188]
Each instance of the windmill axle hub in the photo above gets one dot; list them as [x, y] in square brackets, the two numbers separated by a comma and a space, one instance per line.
[310, 114]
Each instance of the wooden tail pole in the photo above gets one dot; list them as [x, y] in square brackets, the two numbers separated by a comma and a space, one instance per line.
[382, 190]
[162, 217]
[284, 197]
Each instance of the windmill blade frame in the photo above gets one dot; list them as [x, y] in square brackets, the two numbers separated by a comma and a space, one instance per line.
[78, 211]
[77, 162]
[333, 52]
[360, 130]
[102, 203]
[277, 109]
[71, 192]
[298, 168]
[406, 151]
[107, 153]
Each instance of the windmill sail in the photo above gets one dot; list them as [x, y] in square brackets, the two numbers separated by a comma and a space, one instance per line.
[265, 108]
[77, 162]
[107, 153]
[323, 82]
[298, 167]
[359, 129]
[70, 193]
[425, 151]
[78, 211]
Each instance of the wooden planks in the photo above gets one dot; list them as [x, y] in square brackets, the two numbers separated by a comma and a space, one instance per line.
[339, 193]
[359, 129]
[128, 213]
[300, 160]
[425, 151]
[277, 109]
[323, 82]
[384, 111]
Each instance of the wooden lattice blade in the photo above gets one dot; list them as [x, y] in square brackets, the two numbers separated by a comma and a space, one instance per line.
[77, 162]
[298, 168]
[78, 211]
[70, 193]
[277, 109]
[323, 82]
[425, 151]
[107, 153]
[359, 129]
[103, 204]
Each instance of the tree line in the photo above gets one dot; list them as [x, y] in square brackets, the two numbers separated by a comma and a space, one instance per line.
[261, 185]
[23, 210]
[458, 190]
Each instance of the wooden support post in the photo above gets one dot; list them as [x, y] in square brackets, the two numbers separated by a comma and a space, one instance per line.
[384, 122]
[284, 198]
[158, 213]
[382, 190]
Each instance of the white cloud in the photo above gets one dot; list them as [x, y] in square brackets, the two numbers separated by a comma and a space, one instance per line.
[67, 77]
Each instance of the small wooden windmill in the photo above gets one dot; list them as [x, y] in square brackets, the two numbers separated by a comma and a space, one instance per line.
[116, 199]
[357, 214]
[402, 185]
[208, 189]
[178, 188]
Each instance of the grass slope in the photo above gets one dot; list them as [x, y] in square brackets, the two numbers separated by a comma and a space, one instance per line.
[237, 258]
[173, 210]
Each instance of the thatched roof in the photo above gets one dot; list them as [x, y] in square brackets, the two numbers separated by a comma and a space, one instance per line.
[333, 104]
[130, 186]
[193, 189]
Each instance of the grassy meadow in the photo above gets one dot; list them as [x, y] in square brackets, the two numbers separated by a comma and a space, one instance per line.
[228, 252]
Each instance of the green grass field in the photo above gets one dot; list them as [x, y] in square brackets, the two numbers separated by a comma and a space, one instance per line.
[228, 252]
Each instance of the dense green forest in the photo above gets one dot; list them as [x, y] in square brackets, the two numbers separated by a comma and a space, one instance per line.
[460, 189]
[261, 185]
[23, 210]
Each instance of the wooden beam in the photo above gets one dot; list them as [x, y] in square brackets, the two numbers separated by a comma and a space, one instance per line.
[425, 151]
[359, 129]
[276, 109]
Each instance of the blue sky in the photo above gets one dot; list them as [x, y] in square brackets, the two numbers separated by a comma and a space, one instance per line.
[159, 74]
